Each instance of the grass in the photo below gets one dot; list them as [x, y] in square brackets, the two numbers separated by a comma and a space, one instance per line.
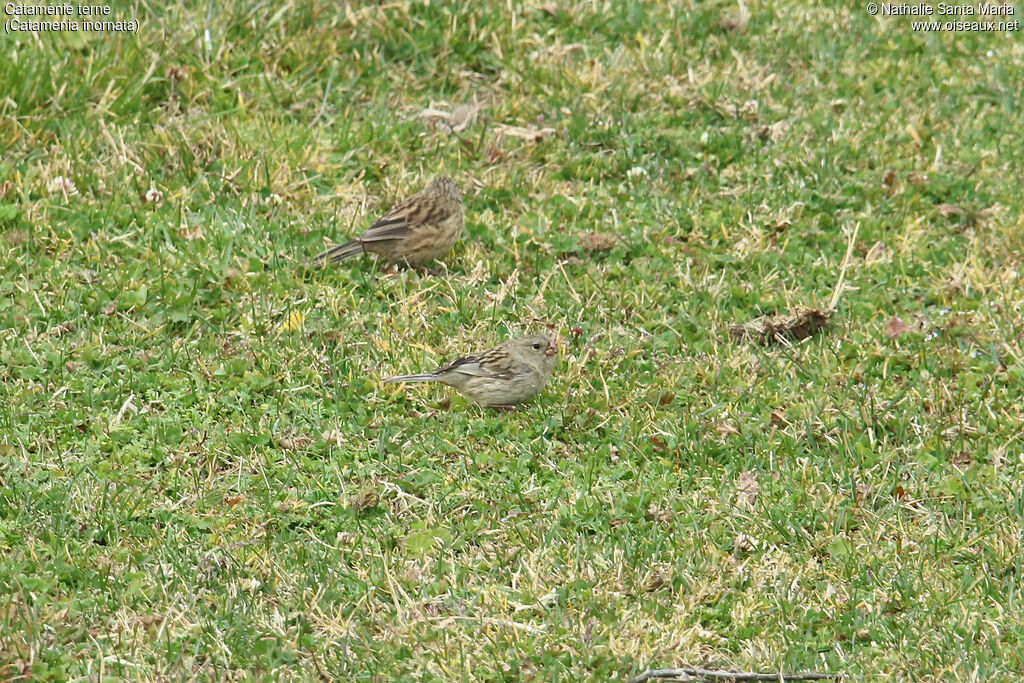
[201, 473]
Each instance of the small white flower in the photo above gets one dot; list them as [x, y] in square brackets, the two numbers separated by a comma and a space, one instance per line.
[636, 172]
[154, 196]
[64, 186]
[273, 199]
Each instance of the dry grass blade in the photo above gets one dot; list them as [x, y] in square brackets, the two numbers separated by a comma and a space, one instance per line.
[838, 291]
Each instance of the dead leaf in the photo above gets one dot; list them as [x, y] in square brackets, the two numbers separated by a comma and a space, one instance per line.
[15, 237]
[747, 489]
[912, 131]
[458, 119]
[551, 9]
[798, 323]
[744, 543]
[778, 418]
[897, 327]
[876, 253]
[462, 116]
[291, 505]
[652, 582]
[334, 436]
[493, 155]
[725, 429]
[190, 233]
[997, 459]
[530, 133]
[62, 329]
[954, 284]
[888, 178]
[949, 210]
[292, 442]
[737, 19]
[597, 241]
[232, 501]
[150, 621]
[962, 459]
[176, 73]
[659, 513]
[862, 492]
[367, 498]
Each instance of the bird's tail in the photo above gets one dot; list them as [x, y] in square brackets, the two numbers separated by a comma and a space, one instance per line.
[337, 253]
[426, 377]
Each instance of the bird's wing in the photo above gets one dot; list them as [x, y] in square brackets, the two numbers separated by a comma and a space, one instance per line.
[405, 216]
[481, 366]
[391, 227]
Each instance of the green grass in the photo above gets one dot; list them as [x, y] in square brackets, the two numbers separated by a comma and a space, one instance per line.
[201, 472]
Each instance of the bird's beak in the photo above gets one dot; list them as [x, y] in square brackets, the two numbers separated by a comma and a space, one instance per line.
[552, 349]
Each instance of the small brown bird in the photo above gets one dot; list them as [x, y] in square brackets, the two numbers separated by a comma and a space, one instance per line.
[418, 230]
[510, 373]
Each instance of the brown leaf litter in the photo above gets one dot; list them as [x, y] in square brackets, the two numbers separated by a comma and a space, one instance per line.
[597, 241]
[798, 322]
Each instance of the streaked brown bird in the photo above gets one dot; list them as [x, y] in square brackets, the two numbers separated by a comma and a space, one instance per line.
[416, 231]
[501, 377]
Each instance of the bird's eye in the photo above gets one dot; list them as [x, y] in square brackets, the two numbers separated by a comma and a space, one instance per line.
[536, 346]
